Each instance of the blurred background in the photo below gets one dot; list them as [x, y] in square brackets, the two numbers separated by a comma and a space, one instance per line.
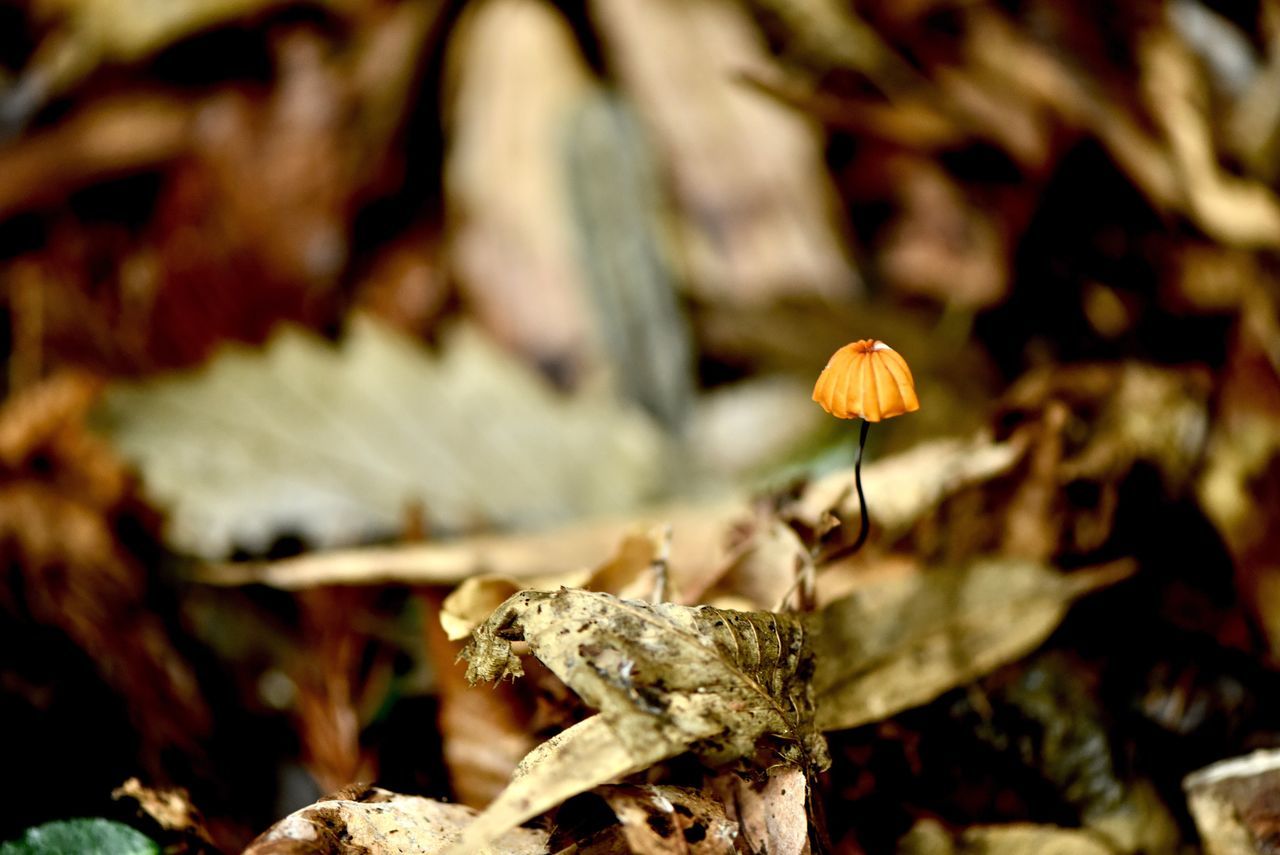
[284, 276]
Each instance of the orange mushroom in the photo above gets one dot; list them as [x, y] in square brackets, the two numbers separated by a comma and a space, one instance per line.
[865, 380]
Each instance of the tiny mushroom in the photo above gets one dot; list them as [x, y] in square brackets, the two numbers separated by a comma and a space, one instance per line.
[865, 380]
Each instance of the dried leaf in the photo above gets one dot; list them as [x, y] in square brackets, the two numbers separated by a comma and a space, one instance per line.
[471, 603]
[1236, 803]
[662, 673]
[335, 443]
[697, 544]
[899, 491]
[902, 488]
[770, 810]
[375, 820]
[484, 734]
[928, 837]
[905, 641]
[741, 166]
[515, 74]
[1231, 210]
[1240, 482]
[658, 820]
[108, 138]
[665, 678]
[171, 809]
[89, 33]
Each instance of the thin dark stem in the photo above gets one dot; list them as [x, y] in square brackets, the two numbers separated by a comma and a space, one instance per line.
[862, 500]
[850, 549]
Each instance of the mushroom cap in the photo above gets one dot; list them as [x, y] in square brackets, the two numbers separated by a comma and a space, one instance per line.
[866, 380]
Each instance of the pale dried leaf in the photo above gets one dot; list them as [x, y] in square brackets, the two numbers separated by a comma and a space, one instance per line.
[665, 678]
[899, 490]
[515, 74]
[663, 820]
[335, 443]
[755, 207]
[373, 820]
[662, 673]
[1236, 803]
[905, 641]
[1231, 210]
[586, 755]
[623, 575]
[928, 837]
[770, 810]
[764, 566]
[171, 808]
[697, 544]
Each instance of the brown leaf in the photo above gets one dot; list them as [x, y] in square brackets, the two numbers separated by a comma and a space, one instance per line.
[770, 809]
[483, 734]
[904, 642]
[515, 73]
[741, 165]
[663, 820]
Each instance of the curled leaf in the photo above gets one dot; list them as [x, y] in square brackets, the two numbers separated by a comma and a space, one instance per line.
[666, 679]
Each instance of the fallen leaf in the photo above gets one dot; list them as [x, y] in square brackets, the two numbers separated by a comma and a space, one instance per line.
[372, 820]
[471, 603]
[1232, 210]
[1240, 482]
[333, 443]
[665, 678]
[1236, 803]
[769, 808]
[483, 734]
[664, 820]
[928, 837]
[171, 809]
[904, 642]
[109, 138]
[514, 76]
[740, 165]
[899, 490]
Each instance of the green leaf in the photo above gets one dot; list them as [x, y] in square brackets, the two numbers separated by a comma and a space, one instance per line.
[83, 837]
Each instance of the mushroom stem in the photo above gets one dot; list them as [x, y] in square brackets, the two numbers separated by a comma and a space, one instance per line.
[862, 500]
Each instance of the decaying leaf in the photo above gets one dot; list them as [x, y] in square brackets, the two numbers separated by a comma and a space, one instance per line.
[622, 575]
[171, 809]
[666, 679]
[741, 166]
[1236, 804]
[899, 490]
[904, 642]
[928, 837]
[769, 808]
[663, 820]
[1240, 482]
[368, 819]
[335, 443]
